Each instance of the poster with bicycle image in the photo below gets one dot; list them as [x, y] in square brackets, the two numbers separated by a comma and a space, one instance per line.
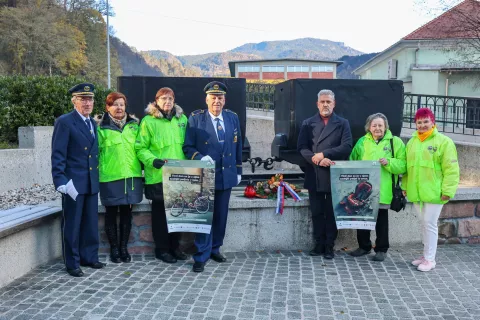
[188, 191]
[355, 193]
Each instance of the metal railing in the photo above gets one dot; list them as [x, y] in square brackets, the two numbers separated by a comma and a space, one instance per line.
[459, 115]
[452, 114]
[260, 96]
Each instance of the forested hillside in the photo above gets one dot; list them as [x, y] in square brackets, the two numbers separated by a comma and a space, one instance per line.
[55, 37]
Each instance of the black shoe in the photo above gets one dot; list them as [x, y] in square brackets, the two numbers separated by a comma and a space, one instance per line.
[358, 252]
[179, 255]
[75, 272]
[329, 252]
[94, 265]
[318, 250]
[198, 266]
[115, 254]
[379, 256]
[218, 257]
[166, 257]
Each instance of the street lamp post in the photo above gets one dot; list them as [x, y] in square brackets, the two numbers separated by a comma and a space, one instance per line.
[108, 48]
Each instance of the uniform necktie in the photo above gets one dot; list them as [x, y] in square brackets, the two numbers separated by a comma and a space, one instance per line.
[89, 125]
[220, 132]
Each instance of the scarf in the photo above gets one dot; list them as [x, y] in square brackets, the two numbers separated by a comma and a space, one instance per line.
[119, 123]
[426, 134]
[168, 116]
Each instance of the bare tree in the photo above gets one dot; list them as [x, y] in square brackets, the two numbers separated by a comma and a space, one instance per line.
[459, 26]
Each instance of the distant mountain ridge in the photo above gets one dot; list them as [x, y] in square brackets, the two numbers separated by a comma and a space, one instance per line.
[306, 48]
[216, 63]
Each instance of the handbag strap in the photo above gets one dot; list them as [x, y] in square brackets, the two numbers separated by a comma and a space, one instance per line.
[393, 156]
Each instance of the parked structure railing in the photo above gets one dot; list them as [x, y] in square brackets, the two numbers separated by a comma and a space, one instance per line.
[452, 114]
[260, 96]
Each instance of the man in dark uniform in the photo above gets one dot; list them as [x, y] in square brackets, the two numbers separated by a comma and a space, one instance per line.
[323, 138]
[214, 135]
[75, 175]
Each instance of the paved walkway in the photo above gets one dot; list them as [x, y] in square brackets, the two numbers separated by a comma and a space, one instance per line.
[256, 285]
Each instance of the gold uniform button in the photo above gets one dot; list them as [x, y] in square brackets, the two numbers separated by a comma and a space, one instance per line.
[90, 168]
[85, 148]
[223, 168]
[90, 156]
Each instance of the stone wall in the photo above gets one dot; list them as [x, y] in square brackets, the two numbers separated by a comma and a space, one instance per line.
[253, 225]
[25, 250]
[459, 223]
[30, 163]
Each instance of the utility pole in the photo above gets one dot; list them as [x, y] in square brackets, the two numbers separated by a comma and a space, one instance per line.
[108, 47]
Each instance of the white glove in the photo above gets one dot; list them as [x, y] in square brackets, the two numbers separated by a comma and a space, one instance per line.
[209, 159]
[62, 189]
[239, 178]
[71, 191]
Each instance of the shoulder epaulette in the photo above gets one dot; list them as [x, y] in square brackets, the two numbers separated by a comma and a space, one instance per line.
[197, 112]
[228, 110]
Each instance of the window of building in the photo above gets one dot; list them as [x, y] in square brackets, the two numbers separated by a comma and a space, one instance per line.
[322, 68]
[273, 68]
[248, 68]
[297, 68]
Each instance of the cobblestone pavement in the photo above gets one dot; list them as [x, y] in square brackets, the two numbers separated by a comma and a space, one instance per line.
[256, 285]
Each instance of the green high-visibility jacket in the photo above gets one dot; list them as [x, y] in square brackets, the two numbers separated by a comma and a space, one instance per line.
[160, 138]
[367, 149]
[432, 168]
[117, 156]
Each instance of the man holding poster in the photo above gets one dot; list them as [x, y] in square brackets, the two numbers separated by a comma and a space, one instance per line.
[189, 195]
[214, 136]
[323, 138]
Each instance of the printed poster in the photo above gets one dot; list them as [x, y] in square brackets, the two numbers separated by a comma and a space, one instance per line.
[189, 190]
[355, 193]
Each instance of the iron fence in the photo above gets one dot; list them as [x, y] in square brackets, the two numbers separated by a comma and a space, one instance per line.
[452, 114]
[260, 96]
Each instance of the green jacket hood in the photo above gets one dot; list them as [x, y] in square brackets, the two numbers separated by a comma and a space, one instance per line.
[154, 111]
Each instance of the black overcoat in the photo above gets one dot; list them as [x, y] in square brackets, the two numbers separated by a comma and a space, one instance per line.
[333, 139]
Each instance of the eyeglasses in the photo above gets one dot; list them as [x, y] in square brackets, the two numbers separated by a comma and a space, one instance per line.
[85, 100]
[166, 98]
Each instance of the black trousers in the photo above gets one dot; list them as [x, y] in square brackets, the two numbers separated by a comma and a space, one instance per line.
[324, 226]
[164, 241]
[381, 228]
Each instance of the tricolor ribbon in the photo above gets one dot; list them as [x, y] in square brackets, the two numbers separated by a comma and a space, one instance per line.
[281, 196]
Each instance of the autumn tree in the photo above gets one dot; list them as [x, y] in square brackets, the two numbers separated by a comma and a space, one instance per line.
[459, 27]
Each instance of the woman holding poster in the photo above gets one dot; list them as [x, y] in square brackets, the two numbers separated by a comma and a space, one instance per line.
[377, 145]
[431, 180]
[161, 137]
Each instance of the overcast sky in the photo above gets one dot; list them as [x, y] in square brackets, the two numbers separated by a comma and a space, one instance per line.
[193, 27]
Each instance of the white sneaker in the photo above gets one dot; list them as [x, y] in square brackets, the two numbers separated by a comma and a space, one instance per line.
[426, 266]
[418, 261]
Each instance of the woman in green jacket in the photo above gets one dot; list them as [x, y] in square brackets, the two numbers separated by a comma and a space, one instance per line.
[161, 136]
[120, 172]
[377, 145]
[431, 180]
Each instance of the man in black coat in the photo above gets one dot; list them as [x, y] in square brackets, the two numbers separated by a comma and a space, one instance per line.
[323, 138]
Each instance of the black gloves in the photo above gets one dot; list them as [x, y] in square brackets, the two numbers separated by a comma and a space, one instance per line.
[157, 163]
